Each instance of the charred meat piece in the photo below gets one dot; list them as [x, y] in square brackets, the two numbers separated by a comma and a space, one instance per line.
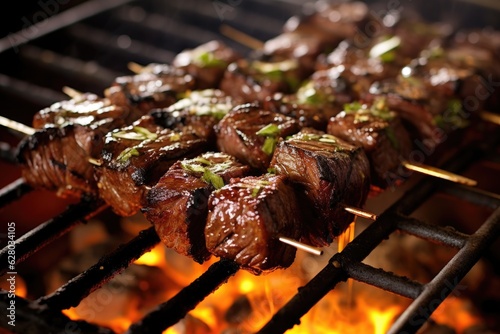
[206, 63]
[330, 174]
[84, 110]
[178, 204]
[255, 81]
[305, 38]
[200, 111]
[135, 157]
[158, 86]
[379, 132]
[412, 100]
[307, 114]
[246, 219]
[57, 156]
[250, 134]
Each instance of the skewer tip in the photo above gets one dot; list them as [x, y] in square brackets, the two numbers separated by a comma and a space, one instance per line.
[241, 37]
[71, 92]
[439, 173]
[136, 68]
[16, 126]
[302, 246]
[490, 117]
[361, 213]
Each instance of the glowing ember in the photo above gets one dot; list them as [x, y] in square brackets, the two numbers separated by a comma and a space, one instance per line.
[456, 313]
[155, 257]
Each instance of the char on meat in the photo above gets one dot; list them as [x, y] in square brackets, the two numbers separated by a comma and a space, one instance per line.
[379, 132]
[135, 157]
[178, 204]
[200, 111]
[251, 81]
[330, 174]
[246, 219]
[157, 86]
[56, 157]
[250, 134]
[206, 63]
[305, 38]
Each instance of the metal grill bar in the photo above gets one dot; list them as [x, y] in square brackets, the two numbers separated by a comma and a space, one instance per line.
[13, 191]
[38, 95]
[96, 276]
[441, 235]
[448, 278]
[33, 319]
[169, 313]
[380, 278]
[473, 195]
[52, 229]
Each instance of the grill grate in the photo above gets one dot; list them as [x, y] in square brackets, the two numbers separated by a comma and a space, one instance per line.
[52, 56]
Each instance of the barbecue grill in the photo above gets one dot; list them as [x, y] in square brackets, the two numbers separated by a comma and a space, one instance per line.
[87, 44]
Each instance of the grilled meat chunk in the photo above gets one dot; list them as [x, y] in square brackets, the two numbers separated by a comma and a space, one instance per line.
[256, 80]
[246, 219]
[158, 86]
[411, 99]
[135, 157]
[83, 110]
[331, 174]
[57, 156]
[379, 132]
[178, 204]
[250, 134]
[206, 63]
[200, 111]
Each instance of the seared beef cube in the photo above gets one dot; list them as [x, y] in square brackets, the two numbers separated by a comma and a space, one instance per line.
[379, 132]
[157, 87]
[331, 174]
[246, 219]
[84, 110]
[57, 156]
[200, 111]
[206, 63]
[410, 98]
[342, 20]
[256, 80]
[307, 114]
[53, 159]
[178, 204]
[135, 157]
[250, 134]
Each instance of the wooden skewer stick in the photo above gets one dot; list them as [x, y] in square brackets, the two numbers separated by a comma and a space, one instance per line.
[361, 213]
[490, 117]
[136, 68]
[19, 127]
[440, 173]
[71, 92]
[241, 37]
[300, 245]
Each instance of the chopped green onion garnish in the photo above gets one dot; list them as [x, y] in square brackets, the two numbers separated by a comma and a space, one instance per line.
[383, 47]
[271, 170]
[269, 145]
[392, 137]
[255, 191]
[203, 161]
[353, 107]
[212, 178]
[127, 154]
[269, 130]
[193, 167]
[137, 133]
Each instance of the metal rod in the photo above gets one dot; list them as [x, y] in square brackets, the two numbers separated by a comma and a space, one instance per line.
[108, 266]
[47, 232]
[170, 312]
[13, 191]
[380, 278]
[438, 172]
[31, 318]
[474, 195]
[302, 246]
[66, 18]
[441, 235]
[448, 278]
